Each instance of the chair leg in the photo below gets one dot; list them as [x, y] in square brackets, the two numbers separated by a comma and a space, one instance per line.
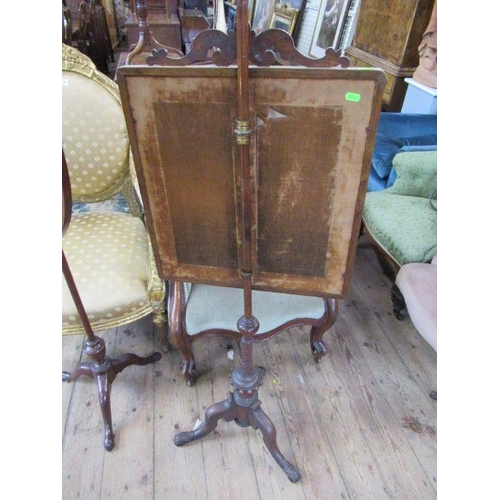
[398, 302]
[161, 322]
[157, 296]
[188, 367]
[178, 335]
[183, 343]
[316, 336]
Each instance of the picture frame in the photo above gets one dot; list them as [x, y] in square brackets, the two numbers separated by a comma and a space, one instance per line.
[251, 5]
[295, 4]
[284, 17]
[263, 10]
[331, 23]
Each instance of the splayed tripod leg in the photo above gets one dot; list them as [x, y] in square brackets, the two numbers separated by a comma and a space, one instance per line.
[242, 407]
[224, 409]
[104, 370]
[259, 420]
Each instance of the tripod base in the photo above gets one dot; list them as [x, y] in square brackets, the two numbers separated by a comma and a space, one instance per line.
[104, 370]
[235, 408]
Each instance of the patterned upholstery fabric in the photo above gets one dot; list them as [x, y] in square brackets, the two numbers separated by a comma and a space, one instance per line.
[109, 258]
[404, 226]
[401, 218]
[416, 174]
[95, 137]
[221, 307]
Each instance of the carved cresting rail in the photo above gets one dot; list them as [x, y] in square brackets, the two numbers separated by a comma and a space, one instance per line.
[272, 46]
[215, 46]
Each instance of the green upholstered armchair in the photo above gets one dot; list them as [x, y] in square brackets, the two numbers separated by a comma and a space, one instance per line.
[401, 221]
[109, 253]
[399, 132]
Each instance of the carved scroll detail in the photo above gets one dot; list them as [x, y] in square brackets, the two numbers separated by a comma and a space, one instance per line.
[270, 47]
[275, 46]
[147, 41]
[209, 47]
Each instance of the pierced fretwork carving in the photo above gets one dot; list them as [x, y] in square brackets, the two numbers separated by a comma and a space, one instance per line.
[270, 47]
[210, 47]
[275, 46]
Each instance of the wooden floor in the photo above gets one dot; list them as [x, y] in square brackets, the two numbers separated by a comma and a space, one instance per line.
[360, 425]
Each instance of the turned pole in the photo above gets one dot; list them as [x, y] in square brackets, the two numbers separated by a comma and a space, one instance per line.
[246, 377]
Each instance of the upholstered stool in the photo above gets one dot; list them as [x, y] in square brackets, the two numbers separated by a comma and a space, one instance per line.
[416, 289]
[220, 307]
[197, 311]
[418, 286]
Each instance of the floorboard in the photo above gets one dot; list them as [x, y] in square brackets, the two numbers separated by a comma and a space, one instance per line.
[360, 424]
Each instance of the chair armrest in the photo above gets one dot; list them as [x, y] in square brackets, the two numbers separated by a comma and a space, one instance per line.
[392, 174]
[416, 174]
[407, 124]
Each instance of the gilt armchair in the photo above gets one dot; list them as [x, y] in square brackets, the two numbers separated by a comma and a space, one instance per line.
[109, 252]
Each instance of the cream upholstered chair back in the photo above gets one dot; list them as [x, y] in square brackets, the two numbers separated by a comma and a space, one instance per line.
[94, 133]
[109, 253]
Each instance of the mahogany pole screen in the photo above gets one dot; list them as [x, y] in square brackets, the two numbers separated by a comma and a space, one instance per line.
[254, 178]
[309, 154]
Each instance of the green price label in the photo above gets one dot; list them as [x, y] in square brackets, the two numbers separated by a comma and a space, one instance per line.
[352, 96]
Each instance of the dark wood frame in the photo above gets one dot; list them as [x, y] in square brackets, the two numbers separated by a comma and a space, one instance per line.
[388, 264]
[341, 240]
[251, 7]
